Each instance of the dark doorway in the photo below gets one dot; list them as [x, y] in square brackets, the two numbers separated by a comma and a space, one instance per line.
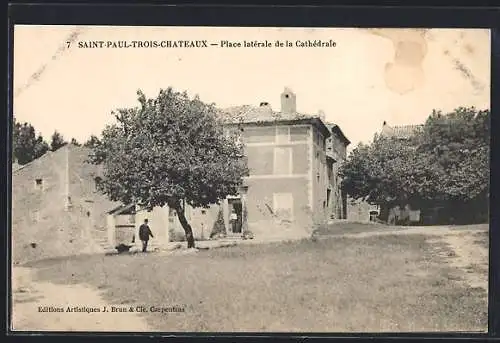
[238, 209]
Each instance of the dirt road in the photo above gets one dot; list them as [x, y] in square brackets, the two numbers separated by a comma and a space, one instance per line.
[30, 298]
[465, 254]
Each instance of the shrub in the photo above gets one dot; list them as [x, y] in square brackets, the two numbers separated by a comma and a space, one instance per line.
[247, 234]
[219, 229]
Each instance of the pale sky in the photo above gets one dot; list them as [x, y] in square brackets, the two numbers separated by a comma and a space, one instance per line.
[353, 83]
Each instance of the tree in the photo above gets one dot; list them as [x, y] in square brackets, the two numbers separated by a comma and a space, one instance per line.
[457, 144]
[57, 141]
[26, 145]
[75, 142]
[447, 161]
[172, 151]
[379, 172]
[91, 142]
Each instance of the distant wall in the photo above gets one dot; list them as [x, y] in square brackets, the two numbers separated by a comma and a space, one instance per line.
[359, 211]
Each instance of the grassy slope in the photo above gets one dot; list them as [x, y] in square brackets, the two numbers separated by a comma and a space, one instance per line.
[385, 283]
[353, 228]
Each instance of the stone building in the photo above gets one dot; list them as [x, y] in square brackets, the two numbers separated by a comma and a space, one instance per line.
[293, 185]
[336, 152]
[56, 209]
[293, 182]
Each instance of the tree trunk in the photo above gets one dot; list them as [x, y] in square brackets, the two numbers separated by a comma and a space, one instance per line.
[185, 225]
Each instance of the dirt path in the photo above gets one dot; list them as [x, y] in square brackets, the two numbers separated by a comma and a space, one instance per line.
[30, 297]
[469, 257]
[466, 255]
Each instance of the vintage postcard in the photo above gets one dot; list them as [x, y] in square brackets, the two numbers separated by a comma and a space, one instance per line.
[215, 179]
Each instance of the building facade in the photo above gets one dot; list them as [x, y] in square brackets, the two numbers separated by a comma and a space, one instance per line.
[292, 186]
[293, 182]
[56, 208]
[58, 211]
[336, 152]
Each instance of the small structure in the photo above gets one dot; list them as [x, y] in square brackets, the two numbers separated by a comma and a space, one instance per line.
[362, 211]
[403, 215]
[123, 224]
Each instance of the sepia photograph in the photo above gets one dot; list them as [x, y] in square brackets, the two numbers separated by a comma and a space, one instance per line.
[250, 179]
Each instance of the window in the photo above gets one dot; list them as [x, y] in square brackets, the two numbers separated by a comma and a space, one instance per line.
[39, 184]
[318, 162]
[171, 215]
[299, 133]
[283, 205]
[259, 134]
[283, 161]
[282, 135]
[260, 160]
[97, 181]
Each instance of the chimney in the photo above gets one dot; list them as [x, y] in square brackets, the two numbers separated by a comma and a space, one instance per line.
[265, 106]
[288, 102]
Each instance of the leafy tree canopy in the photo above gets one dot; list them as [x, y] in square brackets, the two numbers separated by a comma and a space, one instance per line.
[57, 141]
[170, 150]
[447, 160]
[91, 142]
[26, 145]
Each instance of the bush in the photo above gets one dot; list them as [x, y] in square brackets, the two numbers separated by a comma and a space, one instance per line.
[247, 234]
[219, 229]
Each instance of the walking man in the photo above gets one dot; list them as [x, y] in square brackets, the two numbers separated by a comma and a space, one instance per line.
[144, 234]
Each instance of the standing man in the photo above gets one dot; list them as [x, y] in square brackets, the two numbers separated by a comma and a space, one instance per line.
[234, 221]
[144, 234]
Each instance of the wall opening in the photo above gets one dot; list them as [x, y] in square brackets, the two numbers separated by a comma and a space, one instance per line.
[97, 181]
[39, 184]
[283, 206]
[373, 216]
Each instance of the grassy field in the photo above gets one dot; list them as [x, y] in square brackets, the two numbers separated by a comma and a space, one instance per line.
[383, 283]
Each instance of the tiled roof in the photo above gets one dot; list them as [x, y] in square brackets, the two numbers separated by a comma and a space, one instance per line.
[402, 131]
[248, 113]
[336, 129]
